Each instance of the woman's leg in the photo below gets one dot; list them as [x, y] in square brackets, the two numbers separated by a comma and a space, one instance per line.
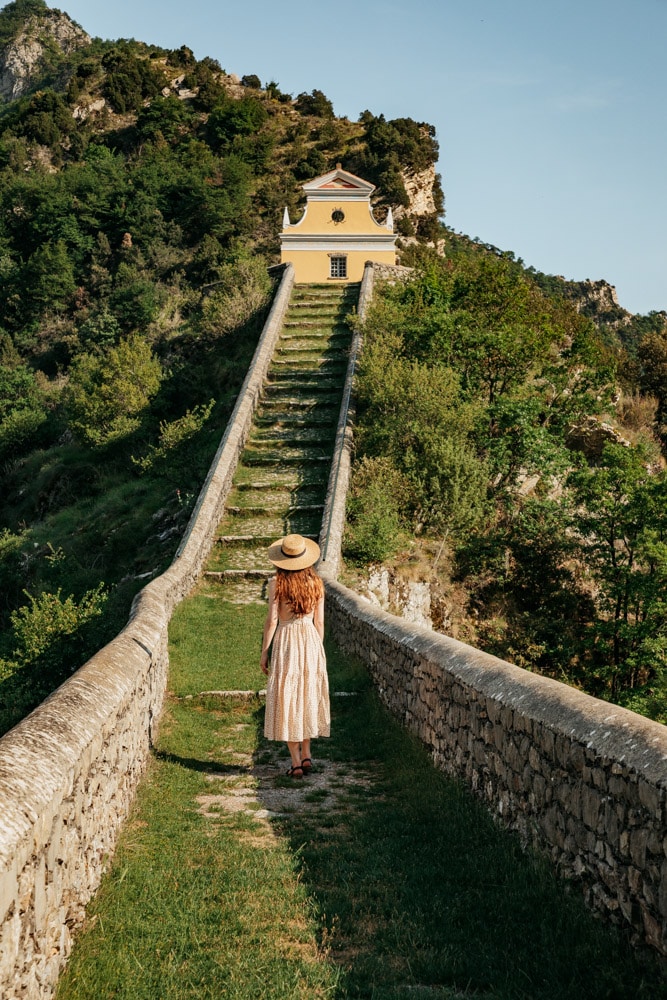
[305, 750]
[294, 753]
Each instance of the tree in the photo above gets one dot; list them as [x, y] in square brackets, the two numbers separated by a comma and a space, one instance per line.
[622, 522]
[316, 103]
[107, 393]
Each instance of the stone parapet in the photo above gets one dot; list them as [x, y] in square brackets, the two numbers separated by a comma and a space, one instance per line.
[578, 778]
[333, 517]
[68, 772]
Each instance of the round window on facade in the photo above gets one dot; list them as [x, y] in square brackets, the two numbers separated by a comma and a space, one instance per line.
[337, 215]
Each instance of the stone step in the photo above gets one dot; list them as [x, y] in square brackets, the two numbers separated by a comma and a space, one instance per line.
[325, 415]
[237, 574]
[289, 510]
[274, 435]
[305, 391]
[259, 542]
[297, 368]
[252, 478]
[272, 496]
[242, 591]
[284, 458]
[276, 526]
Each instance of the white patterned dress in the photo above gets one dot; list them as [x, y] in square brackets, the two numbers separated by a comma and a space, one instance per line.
[297, 689]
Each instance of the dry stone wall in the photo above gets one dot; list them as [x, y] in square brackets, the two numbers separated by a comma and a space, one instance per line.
[68, 772]
[579, 778]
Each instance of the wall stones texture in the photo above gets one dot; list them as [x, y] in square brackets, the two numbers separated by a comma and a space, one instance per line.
[579, 778]
[68, 771]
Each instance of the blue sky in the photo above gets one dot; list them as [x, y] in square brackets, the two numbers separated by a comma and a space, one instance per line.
[551, 118]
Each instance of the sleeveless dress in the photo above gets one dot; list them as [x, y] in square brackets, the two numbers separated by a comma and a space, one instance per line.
[297, 689]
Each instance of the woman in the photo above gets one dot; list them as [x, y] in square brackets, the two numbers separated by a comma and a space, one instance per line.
[297, 690]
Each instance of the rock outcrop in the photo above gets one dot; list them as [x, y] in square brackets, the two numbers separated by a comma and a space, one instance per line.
[22, 60]
[420, 188]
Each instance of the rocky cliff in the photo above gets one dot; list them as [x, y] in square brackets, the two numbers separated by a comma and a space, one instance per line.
[43, 35]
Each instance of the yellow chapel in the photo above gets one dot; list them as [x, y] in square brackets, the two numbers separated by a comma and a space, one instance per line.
[337, 234]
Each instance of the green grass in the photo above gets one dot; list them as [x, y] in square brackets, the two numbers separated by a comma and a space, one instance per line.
[378, 877]
[215, 645]
[193, 907]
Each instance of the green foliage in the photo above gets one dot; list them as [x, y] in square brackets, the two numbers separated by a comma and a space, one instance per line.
[235, 118]
[50, 638]
[108, 392]
[316, 103]
[41, 628]
[47, 119]
[174, 434]
[623, 524]
[22, 411]
[251, 80]
[377, 495]
[469, 383]
[165, 117]
[393, 147]
[241, 288]
[129, 80]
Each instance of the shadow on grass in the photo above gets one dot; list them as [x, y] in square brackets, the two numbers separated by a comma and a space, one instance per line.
[418, 893]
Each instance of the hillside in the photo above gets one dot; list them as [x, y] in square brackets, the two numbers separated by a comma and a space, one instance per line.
[141, 193]
[141, 197]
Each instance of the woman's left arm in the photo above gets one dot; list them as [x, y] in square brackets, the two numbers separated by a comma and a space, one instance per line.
[270, 626]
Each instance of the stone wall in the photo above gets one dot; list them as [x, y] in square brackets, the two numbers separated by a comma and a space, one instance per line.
[68, 771]
[579, 778]
[333, 516]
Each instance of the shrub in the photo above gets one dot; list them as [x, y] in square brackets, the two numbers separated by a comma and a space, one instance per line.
[378, 494]
[107, 392]
[173, 435]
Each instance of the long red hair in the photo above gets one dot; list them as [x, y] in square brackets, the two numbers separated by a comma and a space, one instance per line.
[300, 588]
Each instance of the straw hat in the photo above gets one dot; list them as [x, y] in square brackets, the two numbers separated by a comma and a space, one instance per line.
[294, 552]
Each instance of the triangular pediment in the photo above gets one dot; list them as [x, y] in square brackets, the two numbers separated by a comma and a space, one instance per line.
[339, 180]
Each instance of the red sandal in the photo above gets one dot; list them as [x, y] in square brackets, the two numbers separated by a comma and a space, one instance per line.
[295, 772]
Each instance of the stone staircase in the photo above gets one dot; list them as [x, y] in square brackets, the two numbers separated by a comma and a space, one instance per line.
[280, 483]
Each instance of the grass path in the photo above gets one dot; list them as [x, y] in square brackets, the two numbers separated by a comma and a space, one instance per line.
[377, 877]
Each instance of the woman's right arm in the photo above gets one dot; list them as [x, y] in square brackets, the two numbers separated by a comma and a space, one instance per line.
[270, 626]
[318, 618]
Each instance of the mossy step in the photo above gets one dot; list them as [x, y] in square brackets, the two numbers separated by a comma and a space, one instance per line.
[286, 418]
[287, 510]
[242, 591]
[276, 526]
[251, 478]
[273, 438]
[236, 574]
[281, 382]
[284, 399]
[283, 458]
[250, 543]
[239, 556]
[316, 324]
[316, 356]
[286, 366]
[271, 499]
[315, 336]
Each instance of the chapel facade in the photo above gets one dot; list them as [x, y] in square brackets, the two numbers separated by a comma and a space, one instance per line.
[337, 233]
